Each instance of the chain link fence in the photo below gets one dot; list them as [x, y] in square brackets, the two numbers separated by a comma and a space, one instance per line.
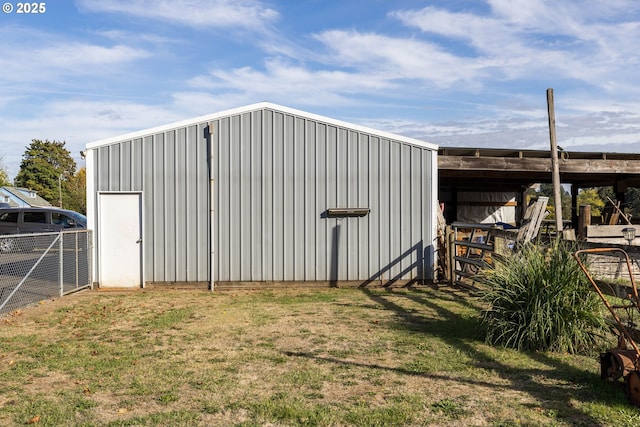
[35, 267]
[607, 262]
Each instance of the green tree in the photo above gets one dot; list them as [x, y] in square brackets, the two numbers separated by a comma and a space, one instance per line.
[590, 196]
[75, 197]
[4, 175]
[605, 192]
[632, 199]
[631, 207]
[565, 199]
[46, 167]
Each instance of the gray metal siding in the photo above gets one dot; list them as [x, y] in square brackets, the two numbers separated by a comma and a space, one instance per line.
[172, 172]
[276, 174]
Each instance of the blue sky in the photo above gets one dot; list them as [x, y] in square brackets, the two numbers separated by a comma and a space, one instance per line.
[468, 73]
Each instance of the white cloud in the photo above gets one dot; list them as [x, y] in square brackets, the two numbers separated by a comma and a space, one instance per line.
[396, 58]
[283, 81]
[494, 43]
[537, 39]
[248, 14]
[124, 37]
[76, 57]
[77, 123]
[34, 57]
[597, 131]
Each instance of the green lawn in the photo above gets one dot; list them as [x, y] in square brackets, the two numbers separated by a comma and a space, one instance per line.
[327, 357]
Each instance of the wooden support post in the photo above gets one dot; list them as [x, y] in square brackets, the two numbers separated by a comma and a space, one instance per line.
[574, 206]
[500, 244]
[557, 196]
[451, 251]
[584, 220]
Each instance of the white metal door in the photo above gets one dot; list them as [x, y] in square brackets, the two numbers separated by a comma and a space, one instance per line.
[120, 240]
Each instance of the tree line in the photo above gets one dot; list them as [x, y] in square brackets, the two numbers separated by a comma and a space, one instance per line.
[597, 198]
[48, 168]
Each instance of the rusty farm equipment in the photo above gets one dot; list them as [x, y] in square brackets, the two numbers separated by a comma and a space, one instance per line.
[621, 299]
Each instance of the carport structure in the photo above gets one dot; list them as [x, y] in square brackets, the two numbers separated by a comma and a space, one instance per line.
[487, 170]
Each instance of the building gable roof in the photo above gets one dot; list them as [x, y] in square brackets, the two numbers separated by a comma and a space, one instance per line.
[255, 107]
[19, 196]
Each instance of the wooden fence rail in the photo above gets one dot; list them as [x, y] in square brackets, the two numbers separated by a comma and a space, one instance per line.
[471, 247]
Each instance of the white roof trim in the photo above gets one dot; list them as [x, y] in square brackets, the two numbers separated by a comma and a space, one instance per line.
[254, 107]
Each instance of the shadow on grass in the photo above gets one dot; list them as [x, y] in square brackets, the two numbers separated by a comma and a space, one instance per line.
[463, 333]
[314, 356]
[457, 331]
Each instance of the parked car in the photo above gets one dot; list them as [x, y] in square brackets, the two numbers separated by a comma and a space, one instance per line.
[36, 220]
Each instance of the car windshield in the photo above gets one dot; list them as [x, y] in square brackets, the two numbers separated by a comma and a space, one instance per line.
[79, 218]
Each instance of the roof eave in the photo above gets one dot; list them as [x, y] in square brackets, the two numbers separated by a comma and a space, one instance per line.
[255, 107]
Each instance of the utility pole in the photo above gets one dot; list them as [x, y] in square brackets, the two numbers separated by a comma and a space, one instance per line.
[60, 190]
[557, 197]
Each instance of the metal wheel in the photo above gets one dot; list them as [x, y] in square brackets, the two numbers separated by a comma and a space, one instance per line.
[632, 387]
[7, 244]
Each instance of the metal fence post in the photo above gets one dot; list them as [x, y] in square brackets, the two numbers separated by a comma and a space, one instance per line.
[61, 263]
[76, 254]
[89, 251]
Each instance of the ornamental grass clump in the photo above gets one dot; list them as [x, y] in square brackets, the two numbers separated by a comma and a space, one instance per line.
[540, 300]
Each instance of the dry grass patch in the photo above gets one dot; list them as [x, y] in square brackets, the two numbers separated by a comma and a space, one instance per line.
[328, 357]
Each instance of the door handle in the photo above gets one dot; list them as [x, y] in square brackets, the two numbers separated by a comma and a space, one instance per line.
[139, 241]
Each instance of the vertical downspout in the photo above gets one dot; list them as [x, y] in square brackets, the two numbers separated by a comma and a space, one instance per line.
[92, 213]
[212, 264]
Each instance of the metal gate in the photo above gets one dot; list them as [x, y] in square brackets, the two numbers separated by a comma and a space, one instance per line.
[35, 267]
